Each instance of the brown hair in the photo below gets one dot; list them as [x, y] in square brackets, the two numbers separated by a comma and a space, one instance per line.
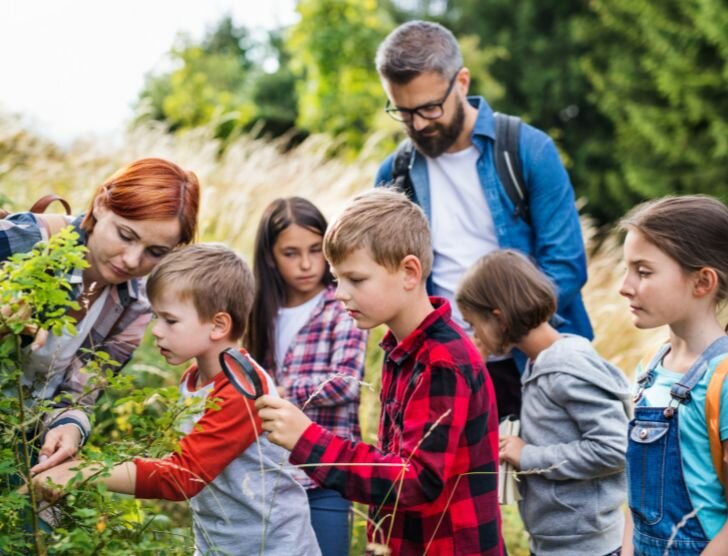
[388, 224]
[691, 229]
[213, 276]
[506, 280]
[150, 189]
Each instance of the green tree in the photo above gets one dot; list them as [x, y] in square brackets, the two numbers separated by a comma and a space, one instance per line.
[222, 81]
[530, 55]
[660, 75]
[333, 48]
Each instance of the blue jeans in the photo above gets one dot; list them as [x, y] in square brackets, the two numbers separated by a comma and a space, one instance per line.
[330, 520]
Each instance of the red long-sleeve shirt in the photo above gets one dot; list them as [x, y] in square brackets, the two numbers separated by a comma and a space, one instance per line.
[215, 439]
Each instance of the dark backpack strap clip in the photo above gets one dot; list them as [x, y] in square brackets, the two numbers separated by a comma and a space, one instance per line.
[401, 166]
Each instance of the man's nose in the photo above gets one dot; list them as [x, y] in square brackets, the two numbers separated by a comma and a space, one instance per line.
[418, 123]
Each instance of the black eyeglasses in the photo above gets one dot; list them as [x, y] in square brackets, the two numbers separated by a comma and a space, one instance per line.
[429, 111]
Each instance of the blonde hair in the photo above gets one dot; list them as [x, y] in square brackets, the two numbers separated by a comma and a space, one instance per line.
[213, 276]
[385, 222]
[506, 280]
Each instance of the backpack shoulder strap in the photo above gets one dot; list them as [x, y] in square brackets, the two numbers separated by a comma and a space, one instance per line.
[42, 204]
[508, 162]
[401, 169]
[712, 416]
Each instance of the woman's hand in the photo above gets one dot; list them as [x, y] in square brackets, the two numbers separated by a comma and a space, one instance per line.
[22, 314]
[61, 443]
[510, 448]
[282, 420]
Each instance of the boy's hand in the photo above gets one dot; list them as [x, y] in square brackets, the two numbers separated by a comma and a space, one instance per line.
[510, 448]
[51, 484]
[282, 420]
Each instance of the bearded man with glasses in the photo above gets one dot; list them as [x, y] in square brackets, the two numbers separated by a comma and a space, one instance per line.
[453, 177]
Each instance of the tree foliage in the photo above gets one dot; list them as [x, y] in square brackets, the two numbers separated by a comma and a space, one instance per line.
[334, 45]
[223, 80]
[632, 92]
[659, 72]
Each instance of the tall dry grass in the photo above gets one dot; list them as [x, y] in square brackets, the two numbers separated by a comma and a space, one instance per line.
[239, 183]
[251, 173]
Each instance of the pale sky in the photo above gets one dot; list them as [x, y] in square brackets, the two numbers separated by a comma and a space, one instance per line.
[73, 68]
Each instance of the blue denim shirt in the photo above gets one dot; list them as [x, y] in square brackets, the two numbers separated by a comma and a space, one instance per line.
[553, 239]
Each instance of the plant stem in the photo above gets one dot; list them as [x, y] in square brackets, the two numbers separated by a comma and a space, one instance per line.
[37, 539]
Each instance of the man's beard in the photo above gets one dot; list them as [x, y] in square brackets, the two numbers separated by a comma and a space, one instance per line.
[434, 145]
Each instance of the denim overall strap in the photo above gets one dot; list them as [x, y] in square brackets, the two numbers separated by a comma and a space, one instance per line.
[647, 377]
[680, 391]
[658, 494]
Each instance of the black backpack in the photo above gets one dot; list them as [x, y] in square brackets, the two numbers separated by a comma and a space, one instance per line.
[507, 164]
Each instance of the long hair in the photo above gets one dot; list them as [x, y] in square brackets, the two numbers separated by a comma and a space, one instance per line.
[270, 290]
[150, 189]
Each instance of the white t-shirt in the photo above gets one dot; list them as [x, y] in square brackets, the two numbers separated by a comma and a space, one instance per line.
[288, 322]
[462, 225]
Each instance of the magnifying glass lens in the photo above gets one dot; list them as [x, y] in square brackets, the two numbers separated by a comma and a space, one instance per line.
[237, 375]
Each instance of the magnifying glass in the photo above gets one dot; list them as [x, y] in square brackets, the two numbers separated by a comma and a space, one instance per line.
[241, 374]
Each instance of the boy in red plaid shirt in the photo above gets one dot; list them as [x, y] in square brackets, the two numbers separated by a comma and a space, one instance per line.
[431, 481]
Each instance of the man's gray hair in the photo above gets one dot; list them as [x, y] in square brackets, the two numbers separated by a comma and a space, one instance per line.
[418, 47]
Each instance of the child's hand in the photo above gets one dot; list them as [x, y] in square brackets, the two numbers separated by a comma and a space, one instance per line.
[282, 420]
[281, 391]
[50, 484]
[510, 450]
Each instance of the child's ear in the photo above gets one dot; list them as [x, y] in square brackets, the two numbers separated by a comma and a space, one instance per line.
[222, 324]
[500, 317]
[412, 269]
[706, 282]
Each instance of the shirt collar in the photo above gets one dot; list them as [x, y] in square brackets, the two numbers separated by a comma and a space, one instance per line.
[399, 352]
[484, 123]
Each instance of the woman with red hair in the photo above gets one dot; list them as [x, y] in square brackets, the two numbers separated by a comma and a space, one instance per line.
[135, 218]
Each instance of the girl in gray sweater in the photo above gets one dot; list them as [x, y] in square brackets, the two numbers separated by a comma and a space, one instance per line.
[571, 453]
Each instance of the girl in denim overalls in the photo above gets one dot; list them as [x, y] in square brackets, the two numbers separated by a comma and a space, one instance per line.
[676, 251]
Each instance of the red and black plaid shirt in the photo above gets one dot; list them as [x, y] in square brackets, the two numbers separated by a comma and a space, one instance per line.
[431, 482]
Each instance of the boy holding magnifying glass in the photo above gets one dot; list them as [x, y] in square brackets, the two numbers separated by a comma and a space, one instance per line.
[201, 296]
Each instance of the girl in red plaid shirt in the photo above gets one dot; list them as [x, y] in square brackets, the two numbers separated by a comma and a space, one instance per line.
[308, 342]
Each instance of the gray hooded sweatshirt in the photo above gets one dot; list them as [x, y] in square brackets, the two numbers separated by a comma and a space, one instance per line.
[574, 423]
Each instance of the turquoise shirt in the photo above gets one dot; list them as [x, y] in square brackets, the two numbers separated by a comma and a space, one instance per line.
[704, 489]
